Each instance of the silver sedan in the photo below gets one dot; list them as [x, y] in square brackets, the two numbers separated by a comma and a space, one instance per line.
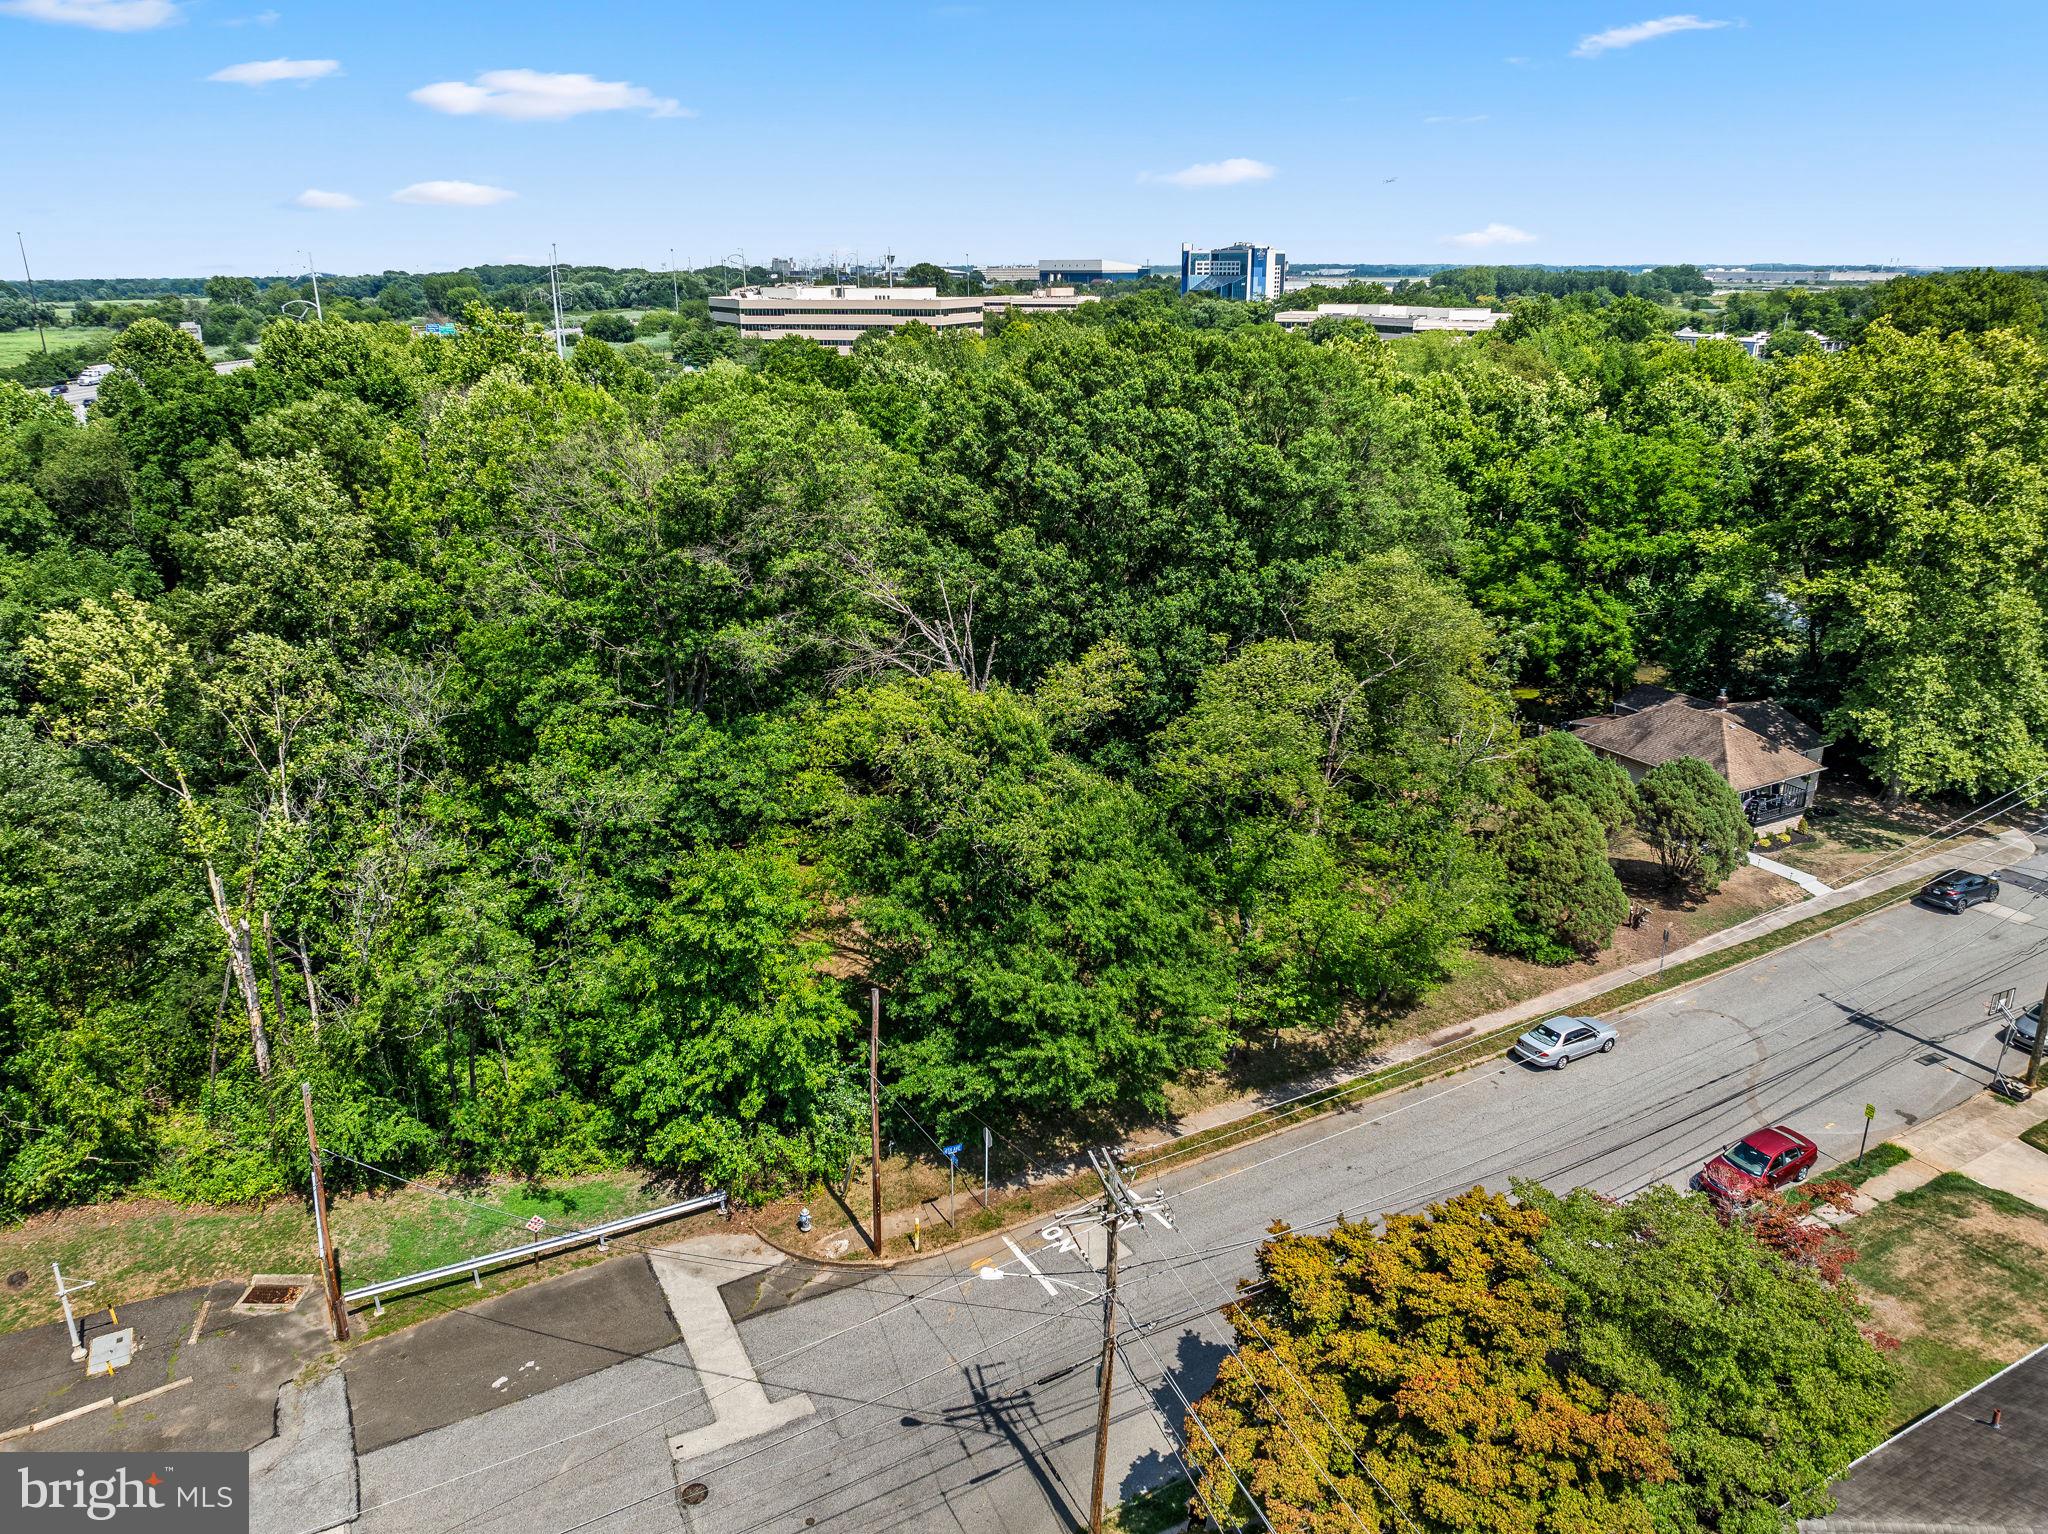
[1559, 1041]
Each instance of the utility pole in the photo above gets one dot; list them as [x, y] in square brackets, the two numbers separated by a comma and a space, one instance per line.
[32, 293]
[675, 286]
[2040, 1029]
[555, 297]
[1119, 1206]
[330, 1269]
[875, 1112]
[1107, 1370]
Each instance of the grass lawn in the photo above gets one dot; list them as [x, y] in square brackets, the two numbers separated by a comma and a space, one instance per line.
[16, 345]
[1152, 1512]
[141, 1247]
[1853, 833]
[2037, 1136]
[1959, 1274]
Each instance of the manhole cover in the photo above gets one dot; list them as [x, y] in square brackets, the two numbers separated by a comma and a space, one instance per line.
[272, 1294]
[17, 1278]
[692, 1494]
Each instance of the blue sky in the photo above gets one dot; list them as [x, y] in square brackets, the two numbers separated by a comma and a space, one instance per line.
[431, 135]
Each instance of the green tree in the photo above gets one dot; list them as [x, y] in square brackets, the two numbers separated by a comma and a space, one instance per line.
[609, 327]
[1023, 911]
[1695, 822]
[1561, 768]
[1429, 1365]
[1912, 488]
[1564, 901]
[1761, 1369]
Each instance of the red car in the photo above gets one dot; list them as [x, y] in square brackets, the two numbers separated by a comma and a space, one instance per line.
[1758, 1163]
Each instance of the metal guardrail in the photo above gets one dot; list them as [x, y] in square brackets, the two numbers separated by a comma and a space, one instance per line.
[474, 1266]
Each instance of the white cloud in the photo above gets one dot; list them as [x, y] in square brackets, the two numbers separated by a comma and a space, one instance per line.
[1492, 234]
[1597, 43]
[1232, 172]
[270, 71]
[1476, 117]
[451, 194]
[260, 19]
[326, 202]
[100, 15]
[533, 96]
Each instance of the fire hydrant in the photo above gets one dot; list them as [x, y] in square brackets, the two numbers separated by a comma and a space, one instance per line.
[803, 1221]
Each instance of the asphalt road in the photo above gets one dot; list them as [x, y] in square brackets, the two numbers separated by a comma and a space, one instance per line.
[948, 1401]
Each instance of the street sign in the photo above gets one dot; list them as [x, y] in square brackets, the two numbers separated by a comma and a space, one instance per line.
[952, 1152]
[536, 1225]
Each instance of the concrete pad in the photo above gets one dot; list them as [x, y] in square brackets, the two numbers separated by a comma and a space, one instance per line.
[1798, 876]
[232, 1374]
[303, 1481]
[477, 1358]
[1950, 1141]
[691, 1274]
[2013, 1168]
[1893, 1181]
[2001, 912]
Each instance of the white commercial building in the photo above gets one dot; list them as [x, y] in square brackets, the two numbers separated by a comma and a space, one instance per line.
[1396, 319]
[1754, 343]
[839, 316]
[1042, 301]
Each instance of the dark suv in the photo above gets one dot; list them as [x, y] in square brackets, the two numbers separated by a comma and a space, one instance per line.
[1958, 891]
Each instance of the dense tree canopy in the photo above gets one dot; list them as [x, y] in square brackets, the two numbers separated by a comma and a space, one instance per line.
[542, 754]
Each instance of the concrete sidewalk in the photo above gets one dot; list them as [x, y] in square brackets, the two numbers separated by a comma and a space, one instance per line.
[1981, 1140]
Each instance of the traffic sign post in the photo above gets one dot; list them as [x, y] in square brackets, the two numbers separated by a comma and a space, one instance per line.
[1869, 1113]
[952, 1155]
[987, 1139]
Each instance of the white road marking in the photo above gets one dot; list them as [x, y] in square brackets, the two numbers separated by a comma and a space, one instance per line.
[1030, 1267]
[2003, 913]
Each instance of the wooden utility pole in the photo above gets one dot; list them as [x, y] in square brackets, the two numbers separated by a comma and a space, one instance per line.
[2040, 1030]
[330, 1270]
[875, 1112]
[1107, 1369]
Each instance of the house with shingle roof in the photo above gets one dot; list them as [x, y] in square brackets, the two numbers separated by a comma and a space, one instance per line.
[1770, 757]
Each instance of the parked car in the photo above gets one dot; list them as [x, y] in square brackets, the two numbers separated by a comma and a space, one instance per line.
[2021, 1032]
[1759, 1162]
[1957, 890]
[1556, 1043]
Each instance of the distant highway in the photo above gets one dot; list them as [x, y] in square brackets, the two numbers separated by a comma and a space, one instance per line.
[80, 396]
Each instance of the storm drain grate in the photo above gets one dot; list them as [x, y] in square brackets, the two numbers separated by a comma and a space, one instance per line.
[272, 1294]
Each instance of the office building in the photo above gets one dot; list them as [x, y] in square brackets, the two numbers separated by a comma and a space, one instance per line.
[1056, 272]
[1040, 301]
[1396, 319]
[839, 315]
[1754, 343]
[1234, 271]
